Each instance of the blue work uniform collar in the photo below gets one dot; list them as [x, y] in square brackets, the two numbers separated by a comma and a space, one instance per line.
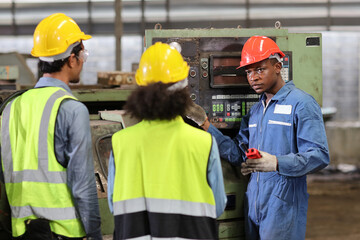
[52, 82]
[281, 94]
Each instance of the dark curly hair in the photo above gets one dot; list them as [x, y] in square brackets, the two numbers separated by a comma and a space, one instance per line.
[156, 102]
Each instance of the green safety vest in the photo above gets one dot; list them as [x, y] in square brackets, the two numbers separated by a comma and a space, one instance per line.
[34, 180]
[160, 185]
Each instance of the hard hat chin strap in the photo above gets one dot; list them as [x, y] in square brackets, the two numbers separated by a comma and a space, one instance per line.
[63, 55]
[179, 85]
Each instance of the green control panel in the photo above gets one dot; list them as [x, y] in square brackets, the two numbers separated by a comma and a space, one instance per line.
[231, 108]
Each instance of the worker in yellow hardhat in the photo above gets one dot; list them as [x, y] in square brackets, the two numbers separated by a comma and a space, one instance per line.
[165, 178]
[287, 128]
[46, 149]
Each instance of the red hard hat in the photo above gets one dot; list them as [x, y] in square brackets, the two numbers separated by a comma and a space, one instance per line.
[258, 48]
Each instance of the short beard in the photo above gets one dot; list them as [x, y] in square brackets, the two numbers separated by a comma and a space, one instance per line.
[76, 80]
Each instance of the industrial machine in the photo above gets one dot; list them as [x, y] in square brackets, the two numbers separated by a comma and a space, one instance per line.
[222, 90]
[14, 71]
[8, 77]
[216, 85]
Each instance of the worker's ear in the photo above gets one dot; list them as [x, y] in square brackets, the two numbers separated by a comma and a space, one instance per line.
[278, 67]
[72, 60]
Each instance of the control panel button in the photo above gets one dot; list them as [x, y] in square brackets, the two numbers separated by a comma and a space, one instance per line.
[204, 65]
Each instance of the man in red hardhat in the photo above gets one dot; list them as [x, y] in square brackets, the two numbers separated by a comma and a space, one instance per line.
[287, 128]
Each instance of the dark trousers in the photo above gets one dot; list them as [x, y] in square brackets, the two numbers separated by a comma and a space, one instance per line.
[39, 229]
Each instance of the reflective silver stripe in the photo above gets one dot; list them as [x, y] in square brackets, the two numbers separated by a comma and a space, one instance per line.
[6, 153]
[148, 237]
[41, 174]
[129, 206]
[38, 176]
[44, 127]
[279, 123]
[47, 213]
[164, 206]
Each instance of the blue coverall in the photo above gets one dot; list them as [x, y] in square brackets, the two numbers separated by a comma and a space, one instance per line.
[290, 127]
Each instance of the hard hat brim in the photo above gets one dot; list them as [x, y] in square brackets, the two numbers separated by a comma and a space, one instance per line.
[86, 37]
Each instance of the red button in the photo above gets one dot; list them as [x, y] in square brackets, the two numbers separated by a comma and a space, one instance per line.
[228, 114]
[220, 119]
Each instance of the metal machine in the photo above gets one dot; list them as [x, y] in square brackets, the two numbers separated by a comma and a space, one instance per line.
[14, 71]
[215, 84]
[224, 93]
[8, 77]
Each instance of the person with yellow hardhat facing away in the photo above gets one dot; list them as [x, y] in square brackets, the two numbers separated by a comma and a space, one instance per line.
[287, 128]
[165, 178]
[46, 152]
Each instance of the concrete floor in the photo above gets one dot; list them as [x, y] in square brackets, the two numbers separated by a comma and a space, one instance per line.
[334, 207]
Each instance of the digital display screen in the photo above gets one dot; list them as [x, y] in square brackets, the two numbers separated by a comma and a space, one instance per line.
[224, 72]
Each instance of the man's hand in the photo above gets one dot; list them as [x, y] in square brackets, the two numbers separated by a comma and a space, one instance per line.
[196, 113]
[267, 163]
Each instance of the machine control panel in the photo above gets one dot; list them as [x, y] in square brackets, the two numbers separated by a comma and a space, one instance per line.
[285, 73]
[215, 81]
[230, 108]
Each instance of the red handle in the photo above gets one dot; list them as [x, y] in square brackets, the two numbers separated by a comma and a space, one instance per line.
[253, 153]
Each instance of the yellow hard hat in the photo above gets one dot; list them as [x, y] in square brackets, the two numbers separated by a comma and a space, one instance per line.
[54, 34]
[161, 63]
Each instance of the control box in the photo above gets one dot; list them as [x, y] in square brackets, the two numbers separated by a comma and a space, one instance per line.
[215, 82]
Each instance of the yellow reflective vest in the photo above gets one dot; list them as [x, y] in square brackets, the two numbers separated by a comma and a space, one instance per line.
[34, 180]
[160, 185]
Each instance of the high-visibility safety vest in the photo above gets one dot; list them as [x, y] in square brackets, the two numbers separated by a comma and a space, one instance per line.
[160, 186]
[34, 180]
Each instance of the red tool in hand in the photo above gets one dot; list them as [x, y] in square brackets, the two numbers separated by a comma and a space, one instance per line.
[251, 153]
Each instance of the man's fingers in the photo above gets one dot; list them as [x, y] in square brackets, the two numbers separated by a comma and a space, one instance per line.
[253, 162]
[246, 171]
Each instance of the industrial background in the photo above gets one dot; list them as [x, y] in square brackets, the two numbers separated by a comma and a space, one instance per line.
[118, 30]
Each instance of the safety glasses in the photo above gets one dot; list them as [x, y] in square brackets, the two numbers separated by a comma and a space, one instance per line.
[83, 54]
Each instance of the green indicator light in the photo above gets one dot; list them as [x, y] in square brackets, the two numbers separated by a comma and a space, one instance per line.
[221, 107]
[214, 108]
[217, 108]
